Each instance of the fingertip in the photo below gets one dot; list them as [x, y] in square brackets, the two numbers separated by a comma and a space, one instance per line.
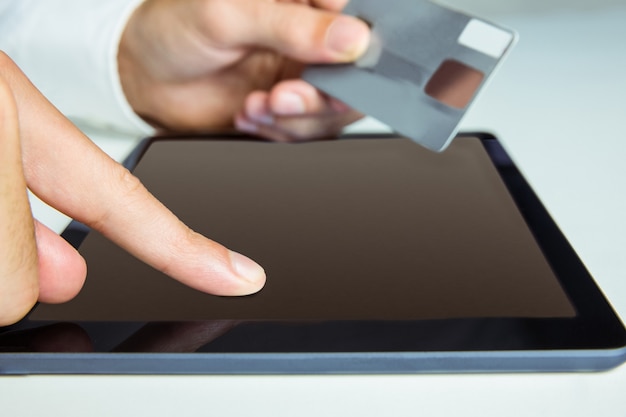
[296, 98]
[62, 270]
[243, 124]
[208, 266]
[257, 108]
[251, 273]
[347, 38]
[288, 103]
[306, 34]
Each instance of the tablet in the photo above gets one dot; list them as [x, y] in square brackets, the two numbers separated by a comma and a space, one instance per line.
[381, 257]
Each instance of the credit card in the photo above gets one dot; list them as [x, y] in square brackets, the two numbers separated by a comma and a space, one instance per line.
[424, 67]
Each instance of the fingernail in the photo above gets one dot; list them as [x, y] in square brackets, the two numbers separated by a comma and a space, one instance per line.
[264, 119]
[258, 111]
[246, 126]
[288, 103]
[348, 37]
[246, 268]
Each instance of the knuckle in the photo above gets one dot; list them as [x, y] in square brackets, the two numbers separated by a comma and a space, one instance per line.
[127, 182]
[125, 186]
[217, 20]
[178, 250]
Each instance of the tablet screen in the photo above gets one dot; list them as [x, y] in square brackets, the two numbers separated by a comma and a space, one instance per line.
[355, 229]
[381, 256]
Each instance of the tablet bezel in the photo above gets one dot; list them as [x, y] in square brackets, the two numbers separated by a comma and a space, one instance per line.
[593, 340]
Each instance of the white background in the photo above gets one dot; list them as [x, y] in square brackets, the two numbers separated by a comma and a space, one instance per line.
[558, 106]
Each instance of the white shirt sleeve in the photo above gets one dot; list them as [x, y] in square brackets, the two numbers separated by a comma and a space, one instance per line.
[68, 49]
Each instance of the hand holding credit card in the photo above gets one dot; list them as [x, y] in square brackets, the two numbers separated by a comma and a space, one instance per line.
[424, 67]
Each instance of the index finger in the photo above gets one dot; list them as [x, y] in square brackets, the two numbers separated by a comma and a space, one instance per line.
[66, 170]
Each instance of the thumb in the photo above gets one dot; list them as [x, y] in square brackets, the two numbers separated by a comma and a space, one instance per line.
[62, 269]
[296, 30]
[86, 184]
[19, 282]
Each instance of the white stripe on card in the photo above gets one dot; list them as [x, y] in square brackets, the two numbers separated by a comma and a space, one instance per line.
[485, 38]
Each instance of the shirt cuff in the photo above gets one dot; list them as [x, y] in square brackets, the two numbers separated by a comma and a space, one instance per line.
[69, 51]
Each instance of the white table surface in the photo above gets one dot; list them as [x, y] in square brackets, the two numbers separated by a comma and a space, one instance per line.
[558, 107]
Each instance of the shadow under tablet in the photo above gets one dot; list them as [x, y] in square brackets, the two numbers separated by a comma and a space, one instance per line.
[357, 229]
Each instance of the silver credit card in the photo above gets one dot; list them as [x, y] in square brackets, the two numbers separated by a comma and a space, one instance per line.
[423, 69]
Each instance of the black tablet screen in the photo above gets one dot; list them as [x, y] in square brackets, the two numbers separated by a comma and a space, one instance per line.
[356, 229]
